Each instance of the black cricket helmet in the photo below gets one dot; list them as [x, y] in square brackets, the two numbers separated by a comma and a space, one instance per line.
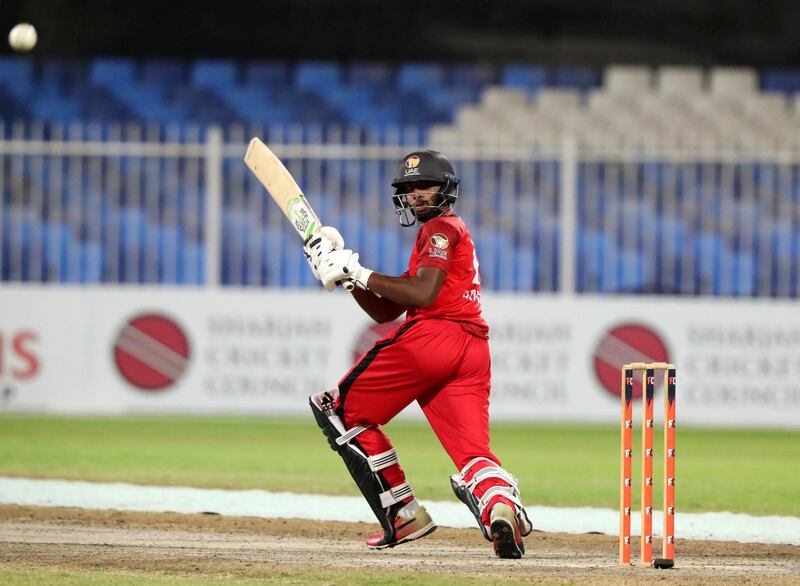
[424, 168]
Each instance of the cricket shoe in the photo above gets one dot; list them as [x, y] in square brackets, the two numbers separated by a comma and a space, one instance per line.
[407, 527]
[506, 534]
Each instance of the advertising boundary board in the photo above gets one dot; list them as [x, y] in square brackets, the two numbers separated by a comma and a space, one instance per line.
[125, 350]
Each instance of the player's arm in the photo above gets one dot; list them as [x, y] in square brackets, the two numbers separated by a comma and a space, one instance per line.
[381, 309]
[420, 290]
[417, 291]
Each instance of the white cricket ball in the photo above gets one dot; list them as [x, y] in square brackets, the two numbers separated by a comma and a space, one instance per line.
[22, 37]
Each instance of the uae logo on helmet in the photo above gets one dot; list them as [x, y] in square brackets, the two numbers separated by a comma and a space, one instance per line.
[412, 162]
[411, 165]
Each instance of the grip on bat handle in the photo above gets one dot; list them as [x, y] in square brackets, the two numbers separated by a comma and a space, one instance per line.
[348, 285]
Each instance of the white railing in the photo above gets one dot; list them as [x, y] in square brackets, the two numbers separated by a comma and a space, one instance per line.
[144, 204]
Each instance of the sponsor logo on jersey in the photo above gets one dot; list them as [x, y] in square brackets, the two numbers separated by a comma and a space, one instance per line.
[439, 240]
[412, 165]
[440, 244]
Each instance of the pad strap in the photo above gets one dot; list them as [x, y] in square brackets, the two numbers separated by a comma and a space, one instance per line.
[510, 493]
[349, 434]
[396, 494]
[384, 460]
[491, 472]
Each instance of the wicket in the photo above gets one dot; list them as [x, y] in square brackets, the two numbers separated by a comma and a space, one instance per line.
[668, 538]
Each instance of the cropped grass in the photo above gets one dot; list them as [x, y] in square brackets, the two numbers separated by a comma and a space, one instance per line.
[744, 471]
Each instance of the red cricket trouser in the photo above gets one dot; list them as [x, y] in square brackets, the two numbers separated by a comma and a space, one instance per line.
[437, 363]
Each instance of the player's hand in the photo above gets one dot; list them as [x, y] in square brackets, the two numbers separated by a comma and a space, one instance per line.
[342, 265]
[326, 240]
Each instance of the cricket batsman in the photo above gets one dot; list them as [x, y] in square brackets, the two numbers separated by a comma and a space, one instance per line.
[439, 357]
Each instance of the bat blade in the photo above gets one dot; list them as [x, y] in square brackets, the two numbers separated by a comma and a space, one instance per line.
[280, 184]
[285, 191]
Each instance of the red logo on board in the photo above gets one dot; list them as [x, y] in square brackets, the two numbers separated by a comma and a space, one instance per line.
[624, 344]
[151, 352]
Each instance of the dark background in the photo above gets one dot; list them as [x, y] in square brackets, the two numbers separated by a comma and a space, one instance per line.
[580, 32]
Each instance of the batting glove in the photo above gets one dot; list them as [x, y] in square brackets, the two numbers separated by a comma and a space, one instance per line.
[343, 265]
[326, 240]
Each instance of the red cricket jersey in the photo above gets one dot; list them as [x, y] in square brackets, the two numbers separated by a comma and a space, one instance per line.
[445, 243]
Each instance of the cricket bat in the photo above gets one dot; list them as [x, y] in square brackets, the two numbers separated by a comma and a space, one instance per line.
[285, 192]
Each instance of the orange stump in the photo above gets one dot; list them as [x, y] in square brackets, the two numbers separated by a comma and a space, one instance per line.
[626, 468]
[626, 429]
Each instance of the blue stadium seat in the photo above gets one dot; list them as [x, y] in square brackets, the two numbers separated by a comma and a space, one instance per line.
[447, 99]
[170, 242]
[781, 80]
[267, 74]
[630, 273]
[191, 264]
[593, 246]
[149, 104]
[578, 78]
[202, 106]
[782, 234]
[91, 262]
[54, 108]
[708, 250]
[271, 241]
[57, 237]
[164, 73]
[414, 108]
[420, 76]
[526, 270]
[312, 109]
[530, 78]
[744, 271]
[671, 232]
[348, 98]
[252, 103]
[132, 224]
[65, 76]
[473, 75]
[379, 115]
[216, 74]
[138, 98]
[25, 225]
[317, 76]
[393, 260]
[100, 105]
[490, 245]
[350, 225]
[112, 72]
[16, 75]
[10, 107]
[374, 75]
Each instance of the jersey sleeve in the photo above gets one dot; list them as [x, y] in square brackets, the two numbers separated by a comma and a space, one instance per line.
[440, 238]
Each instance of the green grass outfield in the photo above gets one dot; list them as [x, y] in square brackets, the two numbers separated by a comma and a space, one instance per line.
[745, 471]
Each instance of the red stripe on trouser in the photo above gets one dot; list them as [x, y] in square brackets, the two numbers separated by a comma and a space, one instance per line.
[447, 371]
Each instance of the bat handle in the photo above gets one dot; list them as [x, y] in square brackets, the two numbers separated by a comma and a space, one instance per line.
[348, 285]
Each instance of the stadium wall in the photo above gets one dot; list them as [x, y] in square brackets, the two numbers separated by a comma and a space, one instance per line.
[148, 350]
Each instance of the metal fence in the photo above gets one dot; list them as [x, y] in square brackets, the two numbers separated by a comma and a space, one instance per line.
[175, 205]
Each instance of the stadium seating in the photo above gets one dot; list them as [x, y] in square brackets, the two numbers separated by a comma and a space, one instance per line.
[716, 227]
